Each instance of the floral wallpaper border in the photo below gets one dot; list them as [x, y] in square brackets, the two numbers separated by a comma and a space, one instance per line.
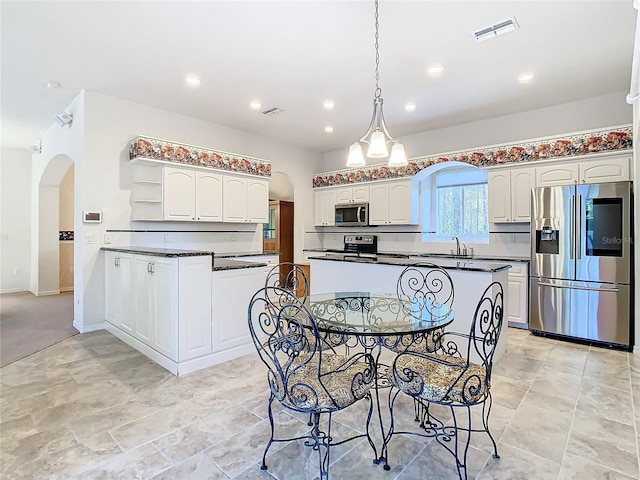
[582, 143]
[167, 151]
[65, 235]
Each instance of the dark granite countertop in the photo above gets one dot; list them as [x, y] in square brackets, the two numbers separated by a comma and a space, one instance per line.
[499, 258]
[244, 254]
[159, 252]
[220, 264]
[447, 263]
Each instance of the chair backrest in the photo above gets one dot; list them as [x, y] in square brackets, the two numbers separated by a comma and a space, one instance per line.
[486, 327]
[286, 338]
[288, 276]
[422, 285]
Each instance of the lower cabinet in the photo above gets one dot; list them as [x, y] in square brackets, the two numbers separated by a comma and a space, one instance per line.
[232, 291]
[160, 305]
[518, 307]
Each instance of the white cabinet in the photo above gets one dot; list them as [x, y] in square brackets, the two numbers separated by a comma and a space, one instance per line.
[119, 294]
[208, 198]
[352, 194]
[518, 305]
[325, 201]
[232, 291]
[614, 169]
[390, 203]
[160, 305]
[245, 199]
[509, 194]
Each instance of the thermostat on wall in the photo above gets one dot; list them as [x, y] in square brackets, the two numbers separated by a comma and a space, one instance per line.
[91, 217]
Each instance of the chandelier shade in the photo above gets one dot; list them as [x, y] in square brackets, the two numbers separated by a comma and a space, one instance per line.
[377, 136]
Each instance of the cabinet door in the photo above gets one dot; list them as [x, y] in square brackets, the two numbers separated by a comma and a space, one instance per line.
[379, 204]
[360, 193]
[399, 200]
[179, 194]
[330, 201]
[611, 170]
[208, 197]
[518, 305]
[522, 181]
[318, 204]
[344, 195]
[258, 200]
[119, 292]
[143, 288]
[234, 204]
[163, 293]
[557, 175]
[499, 196]
[194, 283]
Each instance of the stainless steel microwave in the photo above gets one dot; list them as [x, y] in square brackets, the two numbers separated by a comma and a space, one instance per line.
[352, 215]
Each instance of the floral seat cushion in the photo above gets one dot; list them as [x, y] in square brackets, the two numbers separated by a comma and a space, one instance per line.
[342, 381]
[433, 381]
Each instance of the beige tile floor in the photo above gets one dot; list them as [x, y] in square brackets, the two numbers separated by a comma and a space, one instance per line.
[90, 407]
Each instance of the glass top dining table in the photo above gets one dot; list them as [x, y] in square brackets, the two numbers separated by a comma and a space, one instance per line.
[376, 314]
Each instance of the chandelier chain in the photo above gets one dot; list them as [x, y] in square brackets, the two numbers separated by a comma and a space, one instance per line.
[378, 89]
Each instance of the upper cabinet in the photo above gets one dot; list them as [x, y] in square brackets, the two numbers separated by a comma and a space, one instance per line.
[325, 201]
[614, 169]
[175, 193]
[352, 194]
[245, 199]
[390, 202]
[509, 192]
[191, 195]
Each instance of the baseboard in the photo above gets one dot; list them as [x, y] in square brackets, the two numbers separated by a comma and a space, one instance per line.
[89, 328]
[14, 290]
[49, 292]
[66, 289]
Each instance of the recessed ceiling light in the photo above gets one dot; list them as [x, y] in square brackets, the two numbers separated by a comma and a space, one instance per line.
[435, 69]
[255, 104]
[410, 107]
[52, 84]
[193, 80]
[526, 77]
[328, 129]
[328, 104]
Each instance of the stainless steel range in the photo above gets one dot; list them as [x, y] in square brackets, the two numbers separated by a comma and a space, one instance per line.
[361, 244]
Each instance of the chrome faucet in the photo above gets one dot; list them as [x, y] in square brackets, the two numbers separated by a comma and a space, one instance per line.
[457, 245]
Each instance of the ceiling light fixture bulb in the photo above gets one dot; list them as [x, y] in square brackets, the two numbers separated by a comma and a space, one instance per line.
[526, 77]
[435, 69]
[410, 107]
[398, 157]
[51, 84]
[356, 159]
[328, 129]
[193, 80]
[255, 105]
[328, 104]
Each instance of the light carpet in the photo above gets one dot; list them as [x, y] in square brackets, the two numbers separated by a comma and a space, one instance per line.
[30, 323]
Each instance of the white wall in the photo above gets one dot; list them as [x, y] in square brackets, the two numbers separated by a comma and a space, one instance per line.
[15, 213]
[103, 182]
[604, 111]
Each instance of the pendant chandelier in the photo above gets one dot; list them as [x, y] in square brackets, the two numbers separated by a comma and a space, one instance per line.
[377, 137]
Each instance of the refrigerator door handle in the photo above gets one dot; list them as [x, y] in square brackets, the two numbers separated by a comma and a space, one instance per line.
[578, 229]
[572, 225]
[593, 289]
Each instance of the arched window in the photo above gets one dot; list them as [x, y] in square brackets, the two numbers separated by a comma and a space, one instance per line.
[454, 203]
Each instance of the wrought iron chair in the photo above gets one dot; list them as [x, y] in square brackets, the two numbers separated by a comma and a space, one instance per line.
[301, 376]
[289, 276]
[450, 377]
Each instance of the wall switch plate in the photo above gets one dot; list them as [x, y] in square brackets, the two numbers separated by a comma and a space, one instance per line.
[17, 271]
[88, 238]
[107, 238]
[167, 238]
[512, 239]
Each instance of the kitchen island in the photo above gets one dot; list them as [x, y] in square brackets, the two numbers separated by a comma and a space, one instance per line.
[470, 277]
[184, 309]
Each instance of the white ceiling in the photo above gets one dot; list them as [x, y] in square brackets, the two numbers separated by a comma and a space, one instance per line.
[296, 54]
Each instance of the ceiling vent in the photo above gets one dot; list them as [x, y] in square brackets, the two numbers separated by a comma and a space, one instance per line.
[493, 31]
[272, 111]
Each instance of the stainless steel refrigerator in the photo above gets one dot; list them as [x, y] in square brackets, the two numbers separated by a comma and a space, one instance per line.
[581, 262]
